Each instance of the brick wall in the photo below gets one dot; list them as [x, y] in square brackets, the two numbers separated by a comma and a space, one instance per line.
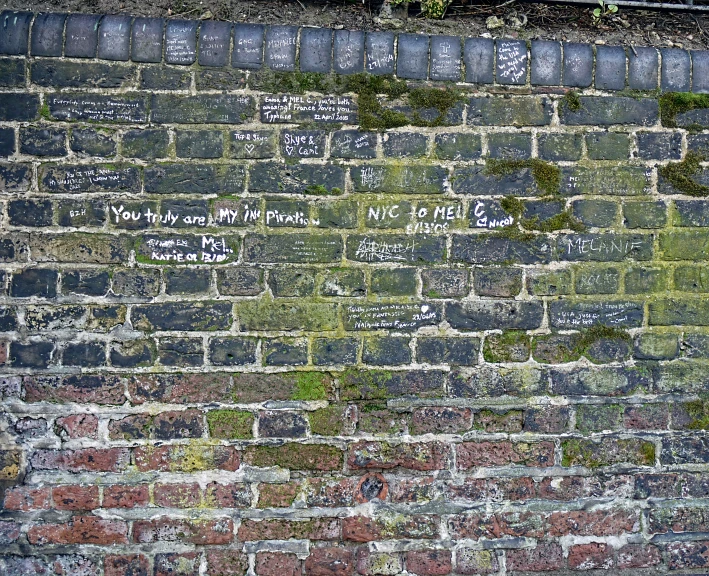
[265, 307]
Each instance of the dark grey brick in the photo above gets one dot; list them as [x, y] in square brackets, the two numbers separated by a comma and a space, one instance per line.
[87, 282]
[60, 73]
[676, 68]
[186, 280]
[86, 354]
[478, 56]
[48, 35]
[232, 351]
[692, 212]
[14, 32]
[7, 141]
[478, 249]
[502, 282]
[610, 67]
[412, 56]
[509, 145]
[18, 107]
[81, 212]
[643, 66]
[12, 72]
[184, 213]
[248, 46]
[287, 213]
[445, 58]
[659, 145]
[608, 110]
[168, 178]
[39, 141]
[31, 355]
[199, 144]
[475, 181]
[495, 314]
[303, 143]
[114, 38]
[146, 144]
[582, 314]
[203, 108]
[608, 145]
[146, 40]
[279, 424]
[295, 179]
[214, 41]
[34, 282]
[592, 212]
[645, 214]
[353, 144]
[33, 213]
[164, 78]
[386, 351]
[181, 42]
[405, 144]
[81, 35]
[180, 352]
[348, 52]
[253, 144]
[559, 146]
[328, 351]
[578, 65]
[240, 281]
[517, 111]
[281, 43]
[458, 146]
[316, 50]
[511, 62]
[546, 63]
[285, 352]
[92, 142]
[452, 351]
[380, 52]
[700, 71]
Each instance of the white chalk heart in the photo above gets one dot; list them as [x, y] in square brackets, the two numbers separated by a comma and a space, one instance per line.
[249, 148]
[289, 150]
[424, 308]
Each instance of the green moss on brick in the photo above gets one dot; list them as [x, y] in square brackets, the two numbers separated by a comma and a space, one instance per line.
[578, 452]
[647, 453]
[230, 424]
[572, 101]
[673, 103]
[310, 386]
[680, 174]
[327, 421]
[547, 176]
[440, 99]
[698, 412]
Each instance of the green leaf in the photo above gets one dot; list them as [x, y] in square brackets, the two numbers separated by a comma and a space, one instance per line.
[597, 12]
[612, 8]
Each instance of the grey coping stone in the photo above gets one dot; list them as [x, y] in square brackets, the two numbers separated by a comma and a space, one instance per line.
[610, 67]
[412, 57]
[348, 52]
[700, 71]
[48, 35]
[511, 62]
[546, 63]
[578, 65]
[445, 58]
[214, 43]
[380, 52]
[676, 69]
[81, 35]
[114, 38]
[181, 42]
[248, 46]
[14, 32]
[146, 42]
[643, 68]
[479, 57]
[316, 50]
[281, 44]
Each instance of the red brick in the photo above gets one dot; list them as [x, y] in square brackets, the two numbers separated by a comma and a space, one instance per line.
[371, 486]
[689, 519]
[646, 417]
[80, 530]
[79, 388]
[546, 557]
[590, 556]
[185, 564]
[75, 565]
[186, 459]
[414, 526]
[596, 523]
[504, 453]
[26, 499]
[126, 565]
[276, 564]
[75, 497]
[119, 496]
[3, 353]
[132, 427]
[441, 419]
[562, 489]
[638, 556]
[429, 562]
[226, 562]
[378, 563]
[330, 562]
[179, 388]
[470, 489]
[177, 495]
[412, 490]
[688, 555]
[277, 529]
[277, 495]
[179, 424]
[476, 561]
[228, 495]
[83, 460]
[77, 426]
[481, 525]
[215, 531]
[9, 532]
[296, 456]
[422, 456]
[511, 488]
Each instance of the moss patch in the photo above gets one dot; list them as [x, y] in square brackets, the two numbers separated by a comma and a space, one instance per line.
[439, 99]
[547, 176]
[598, 332]
[310, 386]
[673, 103]
[572, 101]
[679, 174]
[698, 413]
[230, 424]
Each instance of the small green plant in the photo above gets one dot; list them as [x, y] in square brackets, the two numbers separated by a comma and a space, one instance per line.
[603, 12]
[429, 8]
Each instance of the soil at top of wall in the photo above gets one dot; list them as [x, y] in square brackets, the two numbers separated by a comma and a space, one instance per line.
[549, 22]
